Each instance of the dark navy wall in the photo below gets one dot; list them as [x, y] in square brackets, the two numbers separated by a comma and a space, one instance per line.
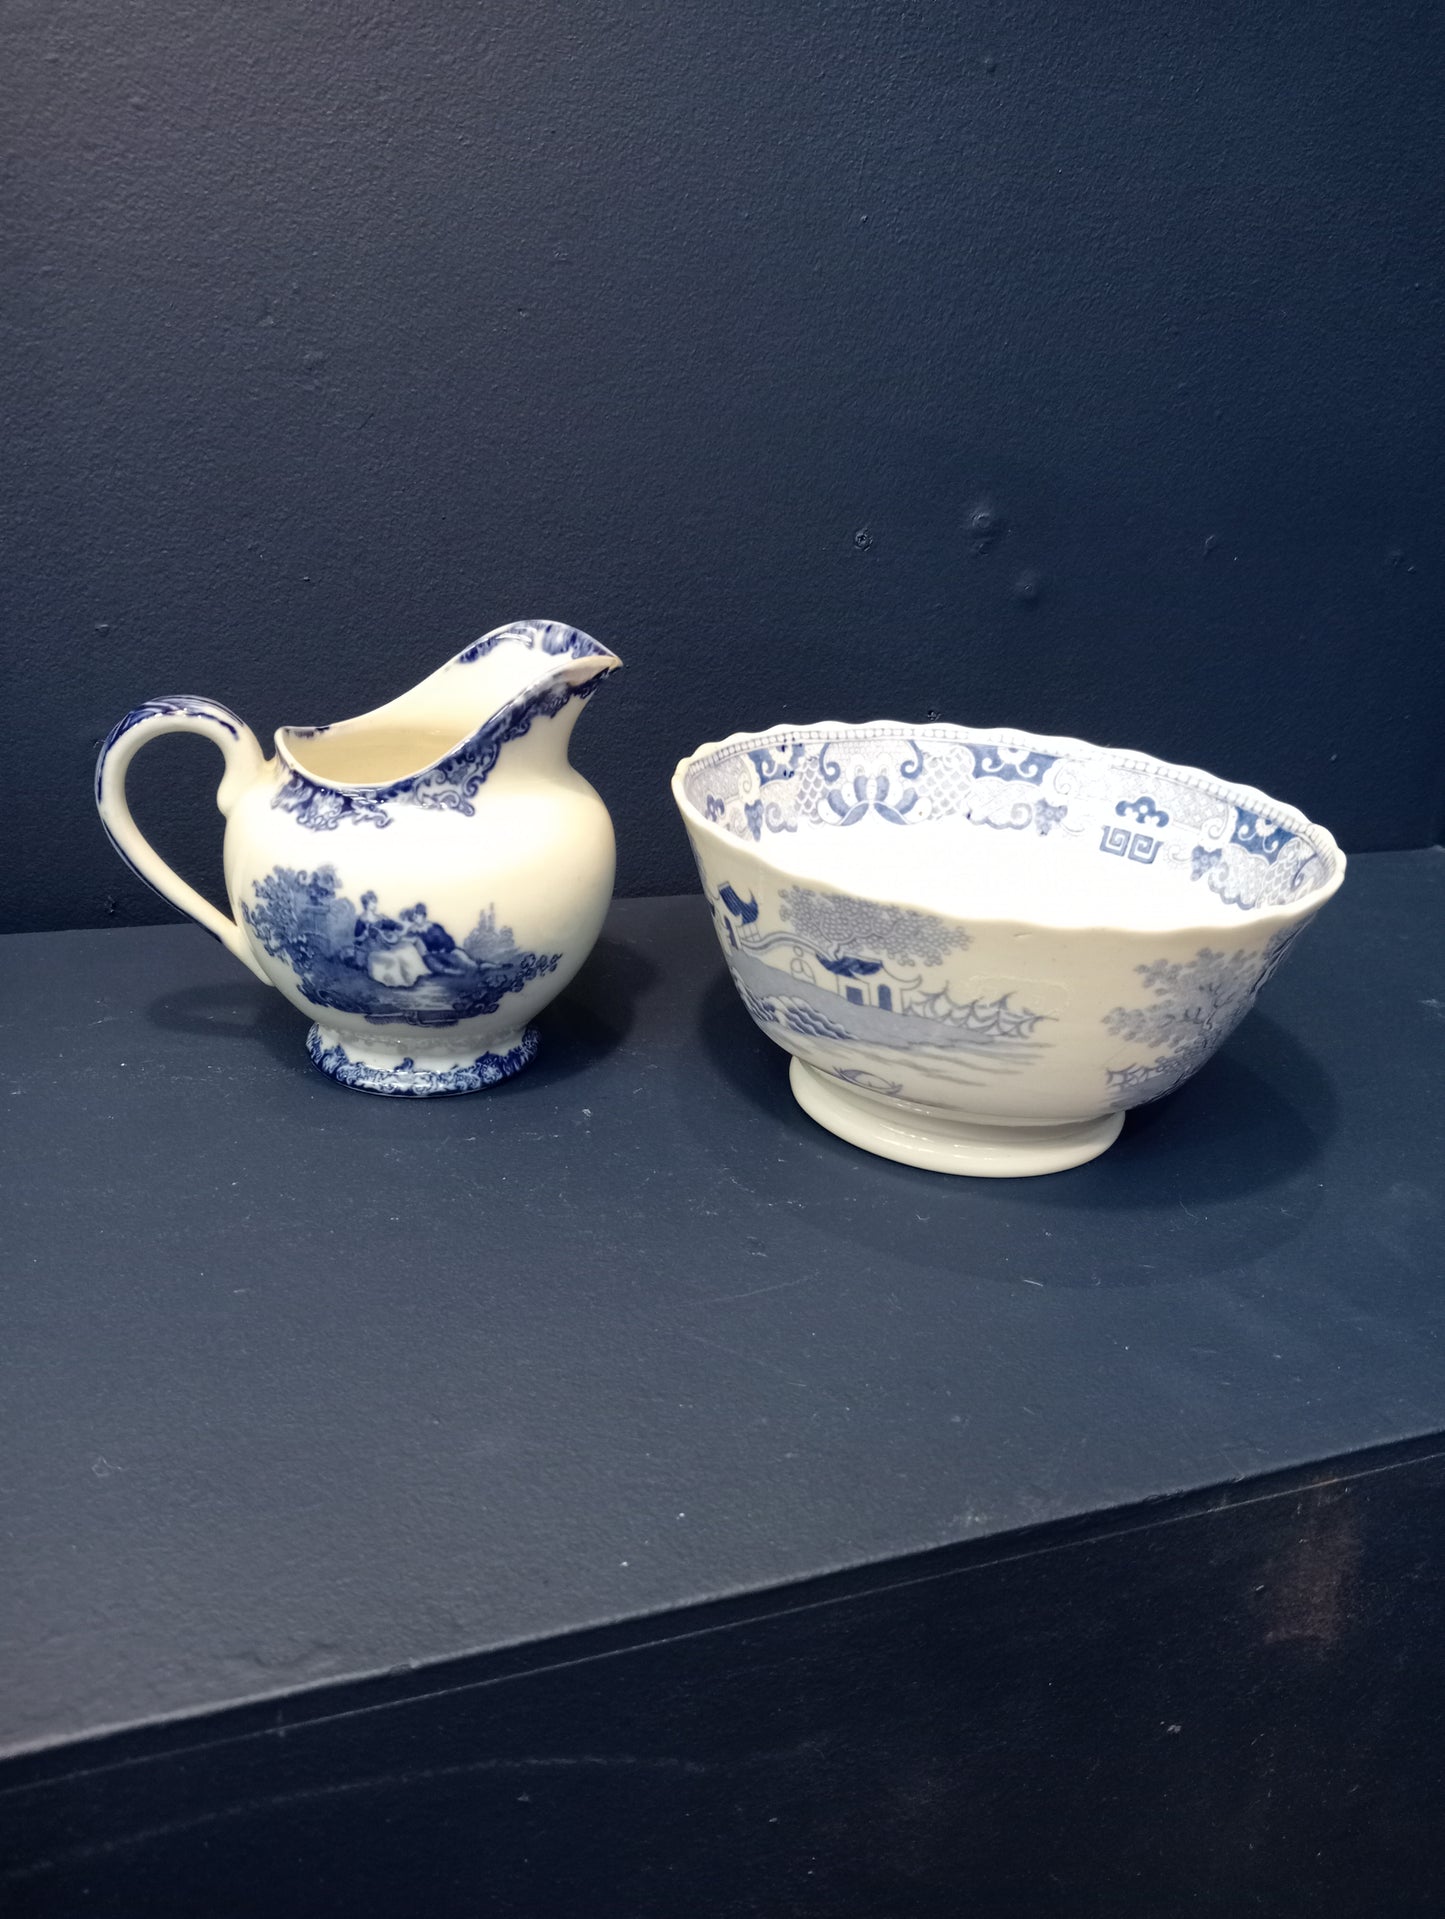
[1075, 367]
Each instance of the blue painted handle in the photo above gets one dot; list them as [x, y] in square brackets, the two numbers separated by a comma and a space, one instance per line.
[177, 713]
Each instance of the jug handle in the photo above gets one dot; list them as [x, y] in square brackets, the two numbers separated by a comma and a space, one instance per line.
[241, 751]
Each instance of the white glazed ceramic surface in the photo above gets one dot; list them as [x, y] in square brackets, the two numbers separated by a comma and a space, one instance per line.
[422, 880]
[981, 947]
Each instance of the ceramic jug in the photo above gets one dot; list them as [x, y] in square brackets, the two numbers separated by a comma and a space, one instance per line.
[422, 880]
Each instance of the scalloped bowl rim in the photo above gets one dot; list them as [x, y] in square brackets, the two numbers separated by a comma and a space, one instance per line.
[1126, 759]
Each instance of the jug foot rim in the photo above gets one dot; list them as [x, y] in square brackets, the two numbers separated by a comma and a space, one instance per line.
[944, 1144]
[409, 1077]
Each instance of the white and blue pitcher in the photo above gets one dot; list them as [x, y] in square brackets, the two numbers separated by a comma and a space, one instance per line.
[422, 880]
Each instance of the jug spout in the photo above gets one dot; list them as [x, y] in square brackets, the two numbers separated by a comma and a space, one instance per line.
[437, 746]
[536, 670]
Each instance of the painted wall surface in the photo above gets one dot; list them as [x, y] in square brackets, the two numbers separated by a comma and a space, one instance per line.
[1072, 367]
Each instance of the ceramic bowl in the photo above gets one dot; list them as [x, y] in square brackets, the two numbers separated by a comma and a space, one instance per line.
[982, 947]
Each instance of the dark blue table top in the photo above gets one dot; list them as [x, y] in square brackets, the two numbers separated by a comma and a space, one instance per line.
[301, 1385]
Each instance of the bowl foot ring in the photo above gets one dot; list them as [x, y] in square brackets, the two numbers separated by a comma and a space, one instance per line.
[944, 1145]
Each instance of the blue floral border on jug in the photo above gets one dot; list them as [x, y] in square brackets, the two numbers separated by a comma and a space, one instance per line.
[452, 784]
[406, 1080]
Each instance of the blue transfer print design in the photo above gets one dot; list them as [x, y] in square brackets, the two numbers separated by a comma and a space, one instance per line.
[452, 784]
[849, 968]
[1142, 810]
[852, 803]
[1196, 1005]
[853, 806]
[407, 1080]
[1209, 864]
[406, 969]
[1014, 820]
[1003, 763]
[1278, 951]
[1140, 847]
[1259, 836]
[801, 1016]
[169, 706]
[1046, 816]
[842, 975]
[771, 767]
[1179, 822]
[836, 924]
[866, 1081]
[745, 910]
[324, 808]
[544, 636]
